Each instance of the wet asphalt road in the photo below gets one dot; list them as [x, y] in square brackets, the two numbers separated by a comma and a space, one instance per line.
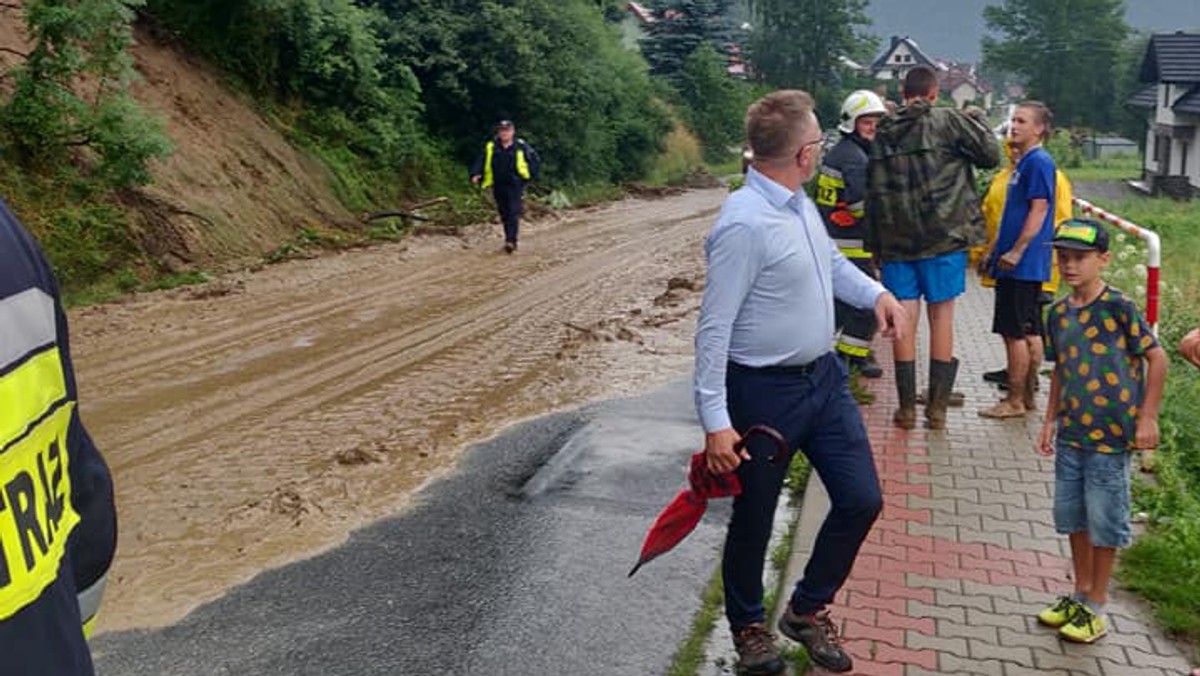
[514, 564]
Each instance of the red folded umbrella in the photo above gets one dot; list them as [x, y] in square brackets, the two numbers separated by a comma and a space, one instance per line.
[681, 516]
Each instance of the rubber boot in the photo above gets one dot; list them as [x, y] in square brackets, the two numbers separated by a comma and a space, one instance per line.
[905, 417]
[941, 384]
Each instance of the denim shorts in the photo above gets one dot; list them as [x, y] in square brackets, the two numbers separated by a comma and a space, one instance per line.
[1091, 493]
[937, 279]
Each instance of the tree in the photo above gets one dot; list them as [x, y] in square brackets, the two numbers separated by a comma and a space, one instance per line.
[70, 103]
[716, 103]
[1066, 51]
[681, 26]
[802, 43]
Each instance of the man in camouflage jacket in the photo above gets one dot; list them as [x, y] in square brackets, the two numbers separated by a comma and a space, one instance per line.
[924, 214]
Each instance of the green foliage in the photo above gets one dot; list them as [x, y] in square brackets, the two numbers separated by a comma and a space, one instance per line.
[1066, 153]
[553, 66]
[687, 659]
[800, 44]
[70, 103]
[683, 26]
[1131, 122]
[320, 65]
[716, 103]
[1066, 52]
[1162, 565]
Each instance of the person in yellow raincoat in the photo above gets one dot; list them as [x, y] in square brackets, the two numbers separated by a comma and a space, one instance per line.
[993, 209]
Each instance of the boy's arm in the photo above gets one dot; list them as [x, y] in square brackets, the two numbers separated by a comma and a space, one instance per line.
[1147, 419]
[1045, 445]
[1033, 225]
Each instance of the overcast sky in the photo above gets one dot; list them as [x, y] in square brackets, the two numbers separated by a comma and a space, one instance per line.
[952, 29]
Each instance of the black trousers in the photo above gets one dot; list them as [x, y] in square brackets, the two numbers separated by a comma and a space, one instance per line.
[508, 203]
[857, 326]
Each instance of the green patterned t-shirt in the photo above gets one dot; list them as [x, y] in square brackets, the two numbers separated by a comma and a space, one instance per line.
[1097, 352]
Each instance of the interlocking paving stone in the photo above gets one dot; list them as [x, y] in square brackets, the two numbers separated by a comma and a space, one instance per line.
[965, 554]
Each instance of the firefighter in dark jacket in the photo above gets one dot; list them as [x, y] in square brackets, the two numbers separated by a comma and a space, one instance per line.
[841, 192]
[506, 164]
[58, 528]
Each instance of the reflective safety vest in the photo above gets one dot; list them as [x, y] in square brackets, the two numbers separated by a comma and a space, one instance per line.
[36, 510]
[522, 163]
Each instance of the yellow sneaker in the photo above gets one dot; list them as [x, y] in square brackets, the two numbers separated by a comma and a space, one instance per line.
[1062, 612]
[1085, 627]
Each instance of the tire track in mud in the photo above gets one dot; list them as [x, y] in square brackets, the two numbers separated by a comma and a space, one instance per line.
[316, 406]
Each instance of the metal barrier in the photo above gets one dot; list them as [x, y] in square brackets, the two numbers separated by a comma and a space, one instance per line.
[1153, 253]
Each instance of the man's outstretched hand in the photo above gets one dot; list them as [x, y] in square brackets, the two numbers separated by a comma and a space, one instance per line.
[892, 318]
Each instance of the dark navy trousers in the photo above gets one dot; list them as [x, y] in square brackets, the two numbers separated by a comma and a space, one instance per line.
[508, 203]
[814, 411]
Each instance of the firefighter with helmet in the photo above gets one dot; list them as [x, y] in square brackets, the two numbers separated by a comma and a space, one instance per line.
[841, 195]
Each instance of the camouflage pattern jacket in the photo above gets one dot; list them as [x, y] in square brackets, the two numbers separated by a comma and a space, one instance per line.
[921, 197]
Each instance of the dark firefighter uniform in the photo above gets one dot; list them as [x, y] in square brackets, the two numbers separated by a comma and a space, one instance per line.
[841, 195]
[58, 527]
[506, 171]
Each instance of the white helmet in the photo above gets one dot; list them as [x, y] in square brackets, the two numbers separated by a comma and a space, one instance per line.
[859, 103]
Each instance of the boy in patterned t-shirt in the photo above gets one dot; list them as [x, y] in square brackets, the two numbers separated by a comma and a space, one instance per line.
[1102, 407]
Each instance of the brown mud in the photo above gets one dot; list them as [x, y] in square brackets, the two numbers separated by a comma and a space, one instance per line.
[262, 417]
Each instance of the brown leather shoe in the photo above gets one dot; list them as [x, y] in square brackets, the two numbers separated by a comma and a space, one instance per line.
[819, 637]
[757, 652]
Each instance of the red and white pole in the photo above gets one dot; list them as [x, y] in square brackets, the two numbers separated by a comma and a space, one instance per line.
[1153, 253]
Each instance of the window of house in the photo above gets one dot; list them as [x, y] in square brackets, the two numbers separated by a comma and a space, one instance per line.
[1183, 153]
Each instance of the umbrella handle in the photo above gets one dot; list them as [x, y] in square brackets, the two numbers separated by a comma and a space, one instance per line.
[781, 447]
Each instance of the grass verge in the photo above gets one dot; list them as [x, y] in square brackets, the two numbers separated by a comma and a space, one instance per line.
[1164, 564]
[691, 653]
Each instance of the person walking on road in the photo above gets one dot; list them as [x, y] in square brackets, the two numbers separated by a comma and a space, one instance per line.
[1105, 391]
[924, 214]
[1021, 258]
[58, 526]
[841, 199]
[764, 356]
[506, 164]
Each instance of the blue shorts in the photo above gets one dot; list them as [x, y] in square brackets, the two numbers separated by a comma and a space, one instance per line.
[1091, 493]
[937, 279]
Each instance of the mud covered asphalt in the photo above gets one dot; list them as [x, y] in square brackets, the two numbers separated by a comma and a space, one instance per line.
[261, 418]
[515, 564]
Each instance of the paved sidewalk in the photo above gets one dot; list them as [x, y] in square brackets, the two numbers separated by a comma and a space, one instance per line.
[965, 552]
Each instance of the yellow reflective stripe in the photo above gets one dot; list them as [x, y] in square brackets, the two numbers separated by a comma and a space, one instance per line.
[36, 514]
[28, 391]
[522, 164]
[855, 253]
[827, 190]
[853, 350]
[487, 163]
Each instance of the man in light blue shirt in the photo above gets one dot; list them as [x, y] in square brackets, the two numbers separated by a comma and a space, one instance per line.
[764, 356]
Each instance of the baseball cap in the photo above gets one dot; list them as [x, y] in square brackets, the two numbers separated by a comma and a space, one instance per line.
[504, 124]
[1081, 234]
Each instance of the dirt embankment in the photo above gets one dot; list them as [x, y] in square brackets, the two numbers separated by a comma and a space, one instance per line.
[234, 186]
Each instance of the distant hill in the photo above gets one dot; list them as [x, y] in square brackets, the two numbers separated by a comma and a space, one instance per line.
[953, 29]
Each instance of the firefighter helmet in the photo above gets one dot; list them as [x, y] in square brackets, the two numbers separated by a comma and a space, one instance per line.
[859, 103]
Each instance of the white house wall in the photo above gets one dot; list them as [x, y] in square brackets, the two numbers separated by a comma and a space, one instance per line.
[1193, 155]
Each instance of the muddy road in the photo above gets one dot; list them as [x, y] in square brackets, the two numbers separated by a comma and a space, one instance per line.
[260, 418]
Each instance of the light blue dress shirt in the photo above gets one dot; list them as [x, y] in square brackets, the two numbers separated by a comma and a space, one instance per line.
[773, 273]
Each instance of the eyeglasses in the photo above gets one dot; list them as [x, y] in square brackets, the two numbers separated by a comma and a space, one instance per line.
[815, 141]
